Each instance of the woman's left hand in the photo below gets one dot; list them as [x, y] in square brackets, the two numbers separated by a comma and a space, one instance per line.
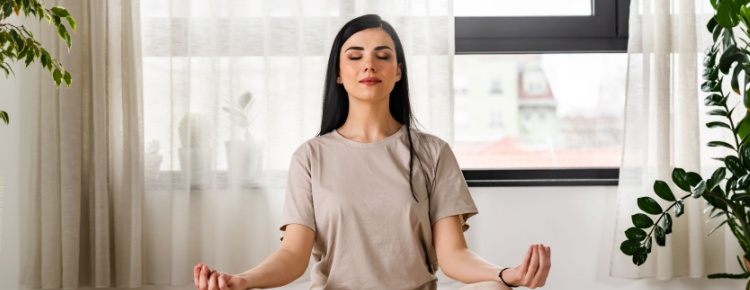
[533, 271]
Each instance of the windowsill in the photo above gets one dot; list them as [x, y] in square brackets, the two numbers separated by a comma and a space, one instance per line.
[541, 177]
[474, 178]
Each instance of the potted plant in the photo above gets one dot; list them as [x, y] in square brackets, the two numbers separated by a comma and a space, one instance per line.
[244, 154]
[196, 154]
[727, 191]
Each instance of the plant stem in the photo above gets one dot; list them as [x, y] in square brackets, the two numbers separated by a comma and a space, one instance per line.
[731, 125]
[662, 215]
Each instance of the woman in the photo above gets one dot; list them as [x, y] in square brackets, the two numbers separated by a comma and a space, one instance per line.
[378, 204]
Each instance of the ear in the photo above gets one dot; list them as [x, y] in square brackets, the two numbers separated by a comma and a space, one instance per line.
[338, 80]
[398, 72]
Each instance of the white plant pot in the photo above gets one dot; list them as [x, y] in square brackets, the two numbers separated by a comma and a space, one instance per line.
[196, 165]
[245, 161]
[153, 166]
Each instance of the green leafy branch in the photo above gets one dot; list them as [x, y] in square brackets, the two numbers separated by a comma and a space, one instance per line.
[18, 44]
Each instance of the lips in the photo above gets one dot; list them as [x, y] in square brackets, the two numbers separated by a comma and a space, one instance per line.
[370, 81]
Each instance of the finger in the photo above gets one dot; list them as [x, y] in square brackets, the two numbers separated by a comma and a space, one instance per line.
[548, 265]
[222, 282]
[526, 261]
[212, 283]
[197, 274]
[541, 275]
[203, 281]
[533, 265]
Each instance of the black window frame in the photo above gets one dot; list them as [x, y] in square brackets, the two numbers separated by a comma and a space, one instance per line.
[604, 31]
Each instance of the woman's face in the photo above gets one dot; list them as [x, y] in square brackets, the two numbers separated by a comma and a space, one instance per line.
[368, 67]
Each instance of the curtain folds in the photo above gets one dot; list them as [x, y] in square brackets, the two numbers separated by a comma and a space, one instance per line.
[84, 226]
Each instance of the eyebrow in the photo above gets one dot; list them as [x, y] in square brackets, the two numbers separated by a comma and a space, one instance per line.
[382, 47]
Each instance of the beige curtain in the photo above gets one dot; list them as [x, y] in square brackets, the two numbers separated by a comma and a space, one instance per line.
[84, 223]
[664, 128]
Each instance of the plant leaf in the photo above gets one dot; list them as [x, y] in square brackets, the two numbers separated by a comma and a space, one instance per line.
[662, 190]
[628, 247]
[661, 238]
[744, 154]
[734, 165]
[635, 234]
[60, 11]
[647, 246]
[679, 177]
[718, 112]
[642, 221]
[649, 205]
[72, 22]
[735, 83]
[717, 177]
[720, 144]
[713, 99]
[717, 227]
[57, 76]
[699, 189]
[4, 116]
[667, 223]
[716, 124]
[67, 78]
[639, 257]
[711, 86]
[712, 22]
[679, 208]
[730, 55]
[693, 178]
[728, 276]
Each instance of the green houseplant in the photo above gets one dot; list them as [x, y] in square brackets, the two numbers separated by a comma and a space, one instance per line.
[727, 191]
[18, 44]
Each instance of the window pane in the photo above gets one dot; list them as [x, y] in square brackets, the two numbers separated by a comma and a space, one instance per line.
[539, 110]
[522, 8]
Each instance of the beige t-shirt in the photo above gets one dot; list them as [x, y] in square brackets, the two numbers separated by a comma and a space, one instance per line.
[370, 233]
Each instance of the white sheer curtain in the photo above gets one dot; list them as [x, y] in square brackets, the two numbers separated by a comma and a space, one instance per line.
[664, 128]
[215, 167]
[83, 226]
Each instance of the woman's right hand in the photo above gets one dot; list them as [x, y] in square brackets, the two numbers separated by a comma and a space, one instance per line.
[207, 279]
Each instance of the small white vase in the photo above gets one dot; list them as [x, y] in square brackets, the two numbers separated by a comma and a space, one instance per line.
[245, 161]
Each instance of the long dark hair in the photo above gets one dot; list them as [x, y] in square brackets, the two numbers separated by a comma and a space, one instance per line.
[336, 99]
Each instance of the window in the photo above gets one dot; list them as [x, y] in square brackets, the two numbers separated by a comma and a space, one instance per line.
[561, 69]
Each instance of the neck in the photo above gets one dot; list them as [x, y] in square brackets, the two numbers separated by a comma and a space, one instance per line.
[369, 121]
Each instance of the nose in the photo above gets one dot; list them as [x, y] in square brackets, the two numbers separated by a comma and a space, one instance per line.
[369, 65]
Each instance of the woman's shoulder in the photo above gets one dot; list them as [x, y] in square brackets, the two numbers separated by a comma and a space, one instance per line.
[311, 145]
[428, 141]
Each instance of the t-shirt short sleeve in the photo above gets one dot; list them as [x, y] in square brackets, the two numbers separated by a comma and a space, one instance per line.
[450, 195]
[298, 202]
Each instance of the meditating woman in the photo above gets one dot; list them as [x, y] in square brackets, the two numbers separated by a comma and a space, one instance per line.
[378, 204]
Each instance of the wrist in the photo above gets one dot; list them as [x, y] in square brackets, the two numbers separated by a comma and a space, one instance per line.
[507, 277]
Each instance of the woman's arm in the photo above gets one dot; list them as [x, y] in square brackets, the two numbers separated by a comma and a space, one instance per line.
[282, 267]
[461, 264]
